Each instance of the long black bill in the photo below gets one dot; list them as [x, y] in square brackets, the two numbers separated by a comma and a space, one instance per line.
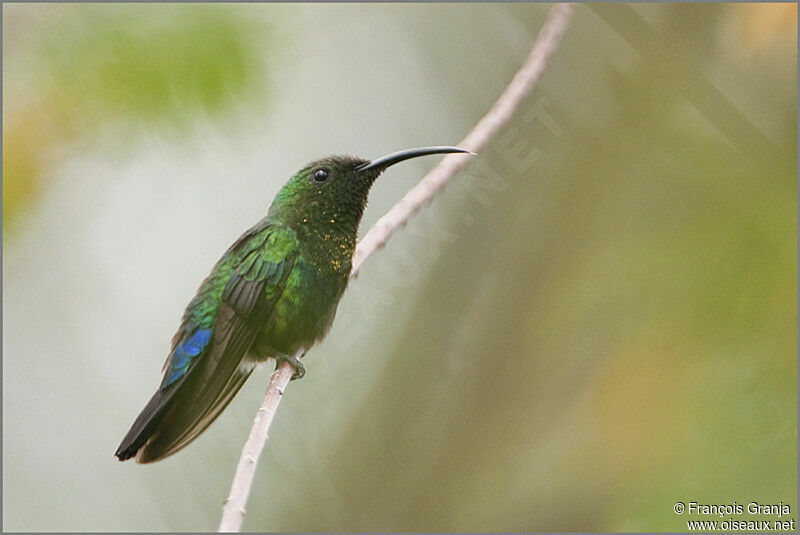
[396, 157]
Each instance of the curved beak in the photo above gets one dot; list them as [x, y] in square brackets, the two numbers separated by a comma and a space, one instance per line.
[396, 157]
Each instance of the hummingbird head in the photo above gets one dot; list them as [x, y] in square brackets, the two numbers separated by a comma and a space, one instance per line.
[326, 199]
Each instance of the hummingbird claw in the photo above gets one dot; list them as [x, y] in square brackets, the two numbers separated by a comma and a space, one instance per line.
[299, 369]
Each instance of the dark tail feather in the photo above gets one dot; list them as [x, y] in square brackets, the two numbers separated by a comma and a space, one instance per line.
[174, 418]
[181, 427]
[181, 410]
[144, 426]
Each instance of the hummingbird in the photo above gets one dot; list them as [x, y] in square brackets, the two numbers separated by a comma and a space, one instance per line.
[271, 296]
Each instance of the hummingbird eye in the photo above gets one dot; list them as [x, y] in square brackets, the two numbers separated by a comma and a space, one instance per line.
[320, 176]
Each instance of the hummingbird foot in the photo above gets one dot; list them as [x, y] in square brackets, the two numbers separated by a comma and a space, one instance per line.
[299, 369]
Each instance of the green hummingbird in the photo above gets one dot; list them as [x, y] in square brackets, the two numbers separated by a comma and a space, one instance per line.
[272, 295]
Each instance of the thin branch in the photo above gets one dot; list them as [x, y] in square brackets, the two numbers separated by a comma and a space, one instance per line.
[233, 508]
[521, 85]
[499, 114]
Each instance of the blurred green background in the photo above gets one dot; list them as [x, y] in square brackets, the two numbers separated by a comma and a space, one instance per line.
[596, 320]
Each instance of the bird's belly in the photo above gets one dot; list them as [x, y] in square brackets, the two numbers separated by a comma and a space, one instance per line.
[302, 315]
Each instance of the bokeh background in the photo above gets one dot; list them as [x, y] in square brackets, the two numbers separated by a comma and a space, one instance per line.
[596, 320]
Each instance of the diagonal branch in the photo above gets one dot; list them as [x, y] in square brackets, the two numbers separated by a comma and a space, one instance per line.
[499, 114]
[520, 86]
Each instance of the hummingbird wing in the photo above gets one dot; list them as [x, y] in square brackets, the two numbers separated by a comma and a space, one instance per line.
[206, 367]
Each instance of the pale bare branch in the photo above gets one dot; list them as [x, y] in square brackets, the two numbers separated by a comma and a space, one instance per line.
[233, 508]
[499, 114]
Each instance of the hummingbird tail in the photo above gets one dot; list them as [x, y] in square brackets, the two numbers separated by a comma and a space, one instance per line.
[142, 429]
[174, 418]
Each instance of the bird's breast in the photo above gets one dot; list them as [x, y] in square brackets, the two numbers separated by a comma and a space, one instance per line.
[303, 313]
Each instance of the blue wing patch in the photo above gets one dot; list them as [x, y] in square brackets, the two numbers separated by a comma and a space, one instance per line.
[182, 357]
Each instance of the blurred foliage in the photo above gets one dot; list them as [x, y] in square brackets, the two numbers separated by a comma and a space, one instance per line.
[133, 67]
[766, 29]
[142, 65]
[595, 320]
